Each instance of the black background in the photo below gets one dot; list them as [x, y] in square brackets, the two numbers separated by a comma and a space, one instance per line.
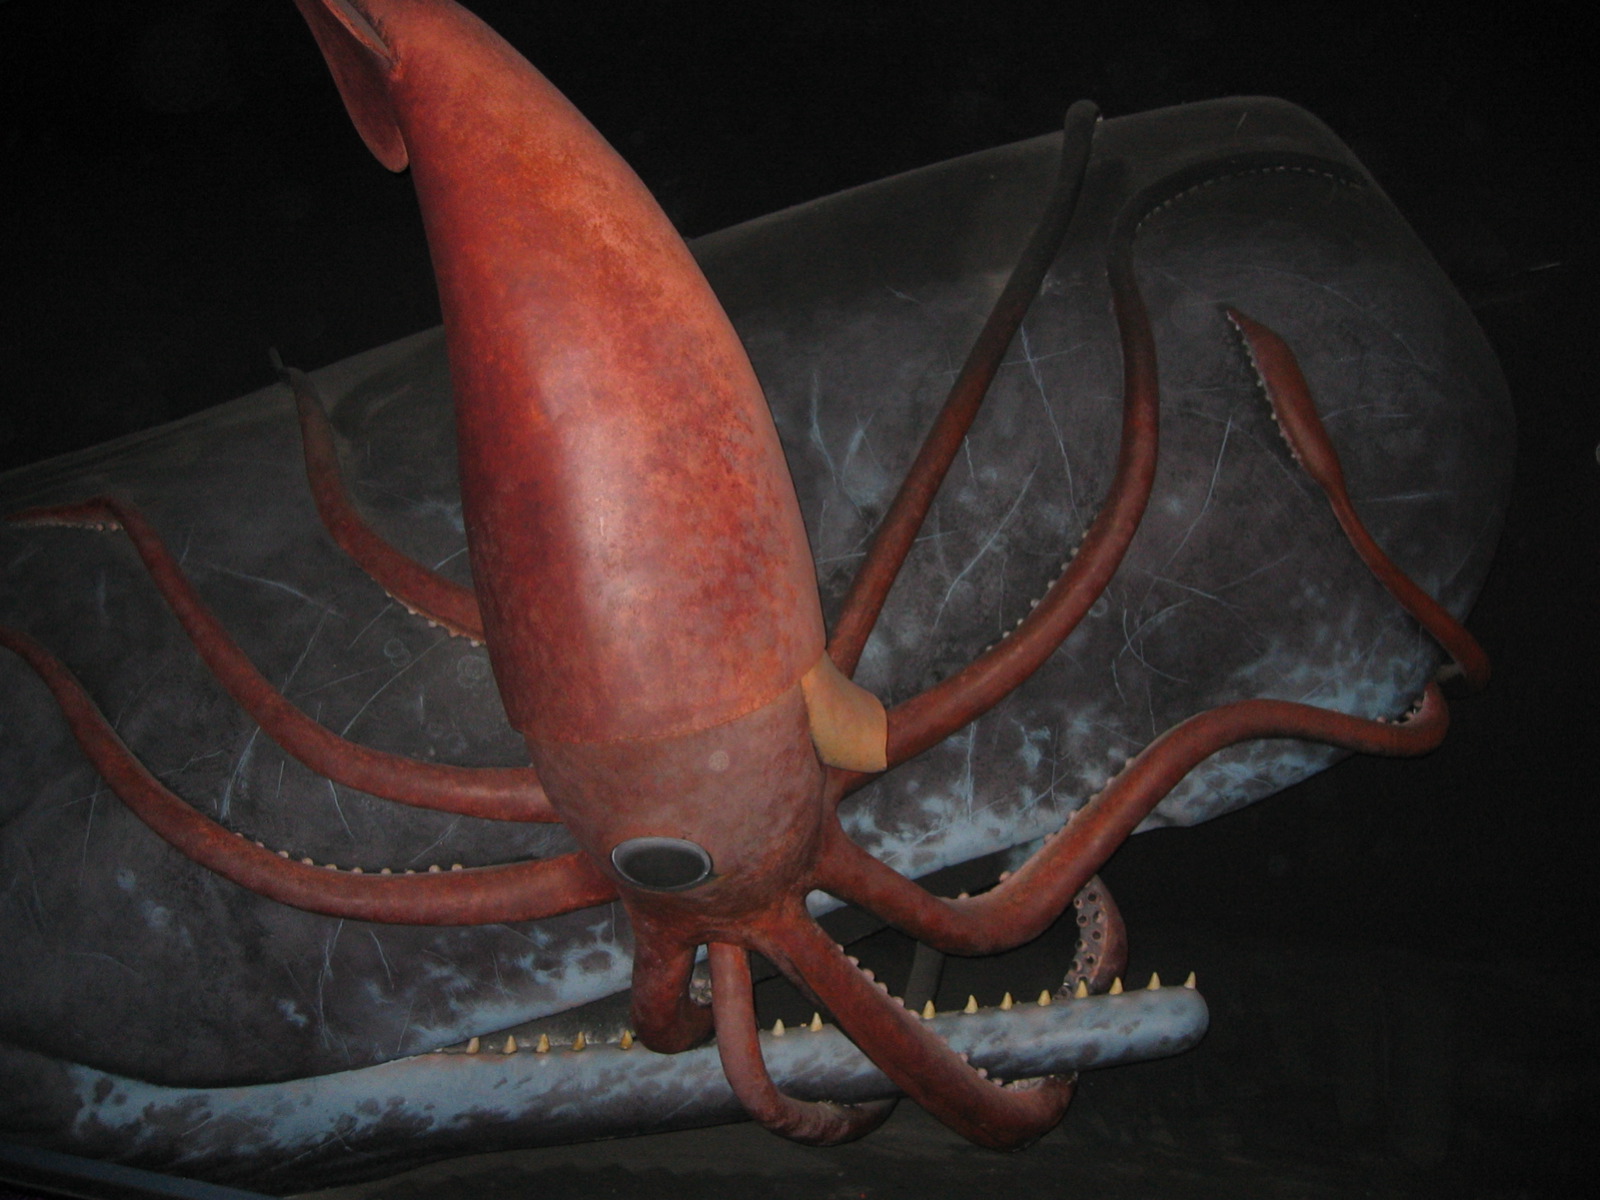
[1401, 956]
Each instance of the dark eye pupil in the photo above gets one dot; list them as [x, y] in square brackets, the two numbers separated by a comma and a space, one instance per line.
[661, 864]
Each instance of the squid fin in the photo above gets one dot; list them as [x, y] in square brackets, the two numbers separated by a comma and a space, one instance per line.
[361, 63]
[848, 723]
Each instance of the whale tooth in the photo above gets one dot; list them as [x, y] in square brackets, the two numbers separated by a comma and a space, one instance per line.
[983, 1072]
[434, 869]
[1191, 983]
[972, 1005]
[386, 871]
[816, 1023]
[283, 854]
[626, 1040]
[357, 871]
[306, 862]
[928, 1011]
[511, 1044]
[1005, 1002]
[868, 973]
[1045, 999]
[1155, 983]
[455, 866]
[579, 1042]
[472, 1044]
[544, 1044]
[329, 867]
[1081, 992]
[777, 1028]
[1116, 986]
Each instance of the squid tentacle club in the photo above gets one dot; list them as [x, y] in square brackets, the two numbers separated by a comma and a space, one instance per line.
[645, 589]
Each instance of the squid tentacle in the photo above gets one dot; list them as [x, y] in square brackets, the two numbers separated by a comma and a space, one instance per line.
[999, 1116]
[424, 592]
[522, 891]
[1022, 906]
[500, 793]
[1296, 413]
[814, 1123]
[929, 718]
[896, 533]
[667, 1017]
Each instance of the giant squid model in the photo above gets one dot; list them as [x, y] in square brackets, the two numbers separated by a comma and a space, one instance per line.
[774, 628]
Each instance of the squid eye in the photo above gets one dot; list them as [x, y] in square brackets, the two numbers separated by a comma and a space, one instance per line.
[661, 864]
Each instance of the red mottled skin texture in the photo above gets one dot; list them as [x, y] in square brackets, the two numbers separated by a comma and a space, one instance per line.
[645, 590]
